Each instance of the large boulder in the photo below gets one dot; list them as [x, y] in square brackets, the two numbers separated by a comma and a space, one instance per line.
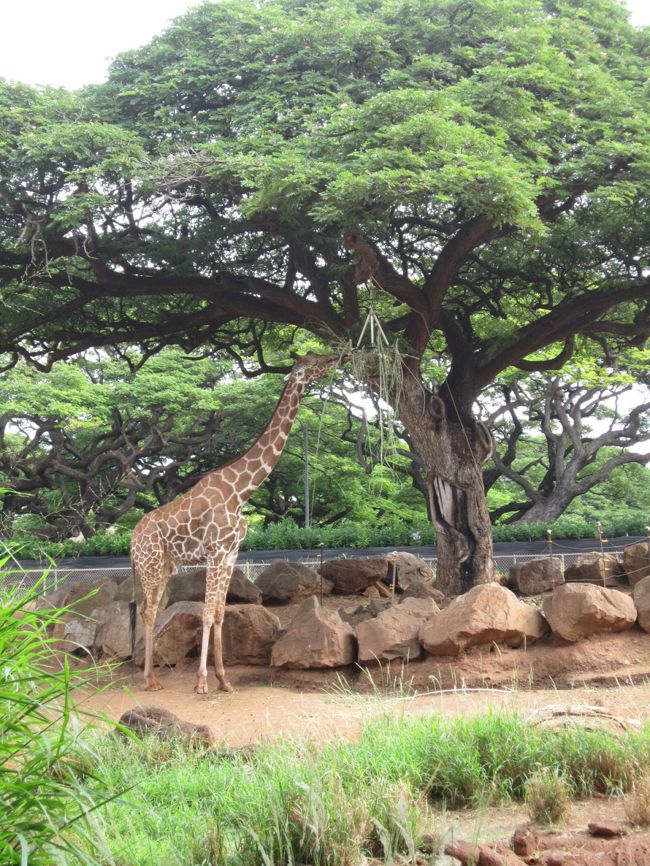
[418, 588]
[113, 637]
[488, 613]
[285, 581]
[190, 586]
[393, 633]
[536, 575]
[636, 562]
[177, 632]
[248, 634]
[315, 638]
[409, 568]
[641, 596]
[77, 628]
[351, 575]
[186, 586]
[578, 610]
[125, 592]
[241, 590]
[594, 568]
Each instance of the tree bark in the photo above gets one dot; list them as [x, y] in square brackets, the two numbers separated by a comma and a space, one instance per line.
[453, 447]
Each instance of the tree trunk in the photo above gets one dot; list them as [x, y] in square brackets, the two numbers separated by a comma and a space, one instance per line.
[546, 510]
[453, 453]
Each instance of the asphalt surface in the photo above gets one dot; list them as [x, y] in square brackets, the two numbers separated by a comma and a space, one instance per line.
[501, 548]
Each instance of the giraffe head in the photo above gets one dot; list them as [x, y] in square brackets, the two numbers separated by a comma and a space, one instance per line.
[309, 367]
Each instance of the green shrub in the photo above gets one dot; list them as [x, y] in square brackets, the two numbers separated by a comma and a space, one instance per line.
[47, 798]
[287, 535]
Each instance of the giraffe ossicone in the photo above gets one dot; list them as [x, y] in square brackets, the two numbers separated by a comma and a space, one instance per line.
[206, 525]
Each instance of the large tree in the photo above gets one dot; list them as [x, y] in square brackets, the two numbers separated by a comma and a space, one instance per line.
[482, 164]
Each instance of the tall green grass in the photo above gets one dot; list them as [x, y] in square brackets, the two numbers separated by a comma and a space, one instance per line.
[47, 798]
[295, 803]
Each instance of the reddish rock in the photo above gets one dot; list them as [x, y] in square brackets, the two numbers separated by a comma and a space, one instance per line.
[162, 723]
[77, 628]
[488, 613]
[580, 610]
[605, 829]
[536, 575]
[352, 575]
[525, 841]
[315, 638]
[409, 568]
[241, 590]
[113, 637]
[248, 634]
[284, 581]
[125, 592]
[393, 633]
[595, 568]
[186, 586]
[190, 586]
[177, 632]
[423, 589]
[636, 562]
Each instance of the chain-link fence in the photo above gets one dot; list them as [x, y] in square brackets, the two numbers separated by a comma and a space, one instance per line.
[54, 577]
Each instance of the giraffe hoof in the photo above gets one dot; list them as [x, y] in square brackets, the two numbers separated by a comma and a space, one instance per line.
[201, 688]
[153, 684]
[225, 686]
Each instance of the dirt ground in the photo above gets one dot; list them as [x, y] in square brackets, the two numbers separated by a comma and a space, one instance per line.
[612, 672]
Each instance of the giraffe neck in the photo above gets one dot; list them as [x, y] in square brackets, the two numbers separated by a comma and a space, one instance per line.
[257, 463]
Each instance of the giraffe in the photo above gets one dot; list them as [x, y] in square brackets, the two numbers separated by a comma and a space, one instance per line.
[206, 525]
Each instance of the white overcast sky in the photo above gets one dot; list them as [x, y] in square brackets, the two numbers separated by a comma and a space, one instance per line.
[70, 42]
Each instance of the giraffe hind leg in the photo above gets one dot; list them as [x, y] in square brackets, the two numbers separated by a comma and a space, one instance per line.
[152, 594]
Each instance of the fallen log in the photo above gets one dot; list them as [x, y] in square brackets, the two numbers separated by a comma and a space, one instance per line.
[566, 713]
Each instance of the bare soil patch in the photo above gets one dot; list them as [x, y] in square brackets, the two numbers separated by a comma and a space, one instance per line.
[611, 671]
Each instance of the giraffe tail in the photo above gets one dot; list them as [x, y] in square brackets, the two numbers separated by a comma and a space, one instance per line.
[133, 612]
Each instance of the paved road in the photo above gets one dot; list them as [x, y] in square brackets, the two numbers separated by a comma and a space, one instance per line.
[501, 548]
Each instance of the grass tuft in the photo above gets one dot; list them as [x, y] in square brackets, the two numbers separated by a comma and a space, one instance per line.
[547, 796]
[637, 805]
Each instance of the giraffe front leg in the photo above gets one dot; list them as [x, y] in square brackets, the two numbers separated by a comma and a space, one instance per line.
[222, 593]
[201, 687]
[219, 670]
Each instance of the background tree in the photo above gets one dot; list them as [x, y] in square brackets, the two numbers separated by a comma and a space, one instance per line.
[82, 445]
[588, 424]
[483, 164]
[91, 443]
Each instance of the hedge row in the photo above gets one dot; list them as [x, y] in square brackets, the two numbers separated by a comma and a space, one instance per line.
[287, 535]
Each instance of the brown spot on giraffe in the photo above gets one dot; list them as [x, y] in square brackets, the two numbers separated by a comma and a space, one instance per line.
[206, 525]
